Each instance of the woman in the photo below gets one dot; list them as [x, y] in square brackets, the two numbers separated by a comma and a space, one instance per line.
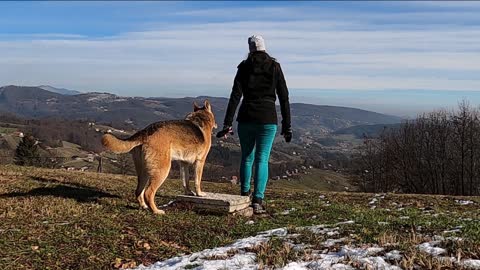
[259, 80]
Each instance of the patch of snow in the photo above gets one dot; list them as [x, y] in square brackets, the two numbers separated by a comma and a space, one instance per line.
[315, 228]
[374, 250]
[438, 238]
[326, 262]
[471, 264]
[341, 266]
[242, 260]
[377, 263]
[432, 248]
[345, 222]
[454, 230]
[300, 247]
[455, 239]
[333, 242]
[293, 235]
[427, 210]
[315, 265]
[238, 261]
[288, 211]
[295, 266]
[321, 229]
[324, 229]
[361, 256]
[394, 255]
[354, 253]
[464, 202]
[445, 259]
[250, 222]
[274, 232]
[329, 259]
[332, 233]
[404, 217]
[236, 255]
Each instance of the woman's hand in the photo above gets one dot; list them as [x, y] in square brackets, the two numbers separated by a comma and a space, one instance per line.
[225, 131]
[287, 133]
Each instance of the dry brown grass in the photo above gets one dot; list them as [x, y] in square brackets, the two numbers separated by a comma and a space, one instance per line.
[274, 253]
[54, 219]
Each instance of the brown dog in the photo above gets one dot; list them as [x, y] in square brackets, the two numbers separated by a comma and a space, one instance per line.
[154, 147]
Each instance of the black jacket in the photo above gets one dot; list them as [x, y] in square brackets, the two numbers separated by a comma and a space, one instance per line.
[259, 80]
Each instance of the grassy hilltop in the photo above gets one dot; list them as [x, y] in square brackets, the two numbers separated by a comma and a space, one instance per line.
[54, 219]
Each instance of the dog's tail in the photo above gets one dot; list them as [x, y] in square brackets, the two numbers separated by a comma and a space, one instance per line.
[117, 145]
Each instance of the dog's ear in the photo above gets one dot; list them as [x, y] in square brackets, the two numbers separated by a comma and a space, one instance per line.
[207, 105]
[195, 107]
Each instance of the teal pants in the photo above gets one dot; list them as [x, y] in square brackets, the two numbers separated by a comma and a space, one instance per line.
[256, 141]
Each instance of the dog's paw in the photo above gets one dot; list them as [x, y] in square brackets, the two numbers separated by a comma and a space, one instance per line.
[159, 212]
[201, 194]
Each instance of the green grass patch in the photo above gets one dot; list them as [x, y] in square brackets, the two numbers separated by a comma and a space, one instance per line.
[54, 219]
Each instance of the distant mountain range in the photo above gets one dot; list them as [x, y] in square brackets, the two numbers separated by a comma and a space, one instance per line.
[62, 91]
[370, 131]
[137, 112]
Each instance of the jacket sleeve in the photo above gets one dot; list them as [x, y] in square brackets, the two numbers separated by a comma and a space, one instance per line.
[282, 93]
[235, 97]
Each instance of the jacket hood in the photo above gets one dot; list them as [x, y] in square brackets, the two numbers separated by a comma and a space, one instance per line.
[260, 62]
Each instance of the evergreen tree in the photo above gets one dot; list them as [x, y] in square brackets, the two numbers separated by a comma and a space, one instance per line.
[26, 153]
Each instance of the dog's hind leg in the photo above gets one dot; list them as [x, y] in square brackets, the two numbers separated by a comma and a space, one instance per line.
[198, 177]
[159, 167]
[140, 191]
[142, 175]
[184, 174]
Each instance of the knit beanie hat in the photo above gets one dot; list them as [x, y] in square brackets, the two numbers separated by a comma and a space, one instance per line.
[256, 43]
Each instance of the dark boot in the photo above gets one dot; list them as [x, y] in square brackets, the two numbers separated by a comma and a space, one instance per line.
[248, 193]
[257, 205]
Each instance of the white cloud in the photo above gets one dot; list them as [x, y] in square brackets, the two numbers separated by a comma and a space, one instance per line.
[448, 4]
[372, 82]
[40, 36]
[326, 53]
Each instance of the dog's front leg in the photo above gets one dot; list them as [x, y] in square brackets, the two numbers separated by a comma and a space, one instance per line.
[198, 177]
[185, 178]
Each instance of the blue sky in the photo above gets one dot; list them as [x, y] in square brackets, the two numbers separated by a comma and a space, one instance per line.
[395, 57]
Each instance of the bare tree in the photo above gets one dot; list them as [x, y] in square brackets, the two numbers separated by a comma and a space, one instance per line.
[436, 153]
[125, 163]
